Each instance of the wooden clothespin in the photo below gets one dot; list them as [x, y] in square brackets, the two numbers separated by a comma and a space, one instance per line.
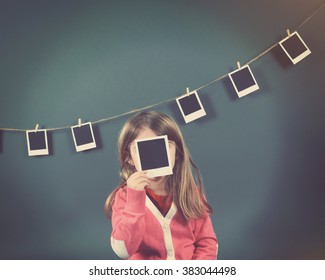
[288, 32]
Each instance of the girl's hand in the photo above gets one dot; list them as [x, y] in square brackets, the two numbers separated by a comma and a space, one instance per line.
[138, 180]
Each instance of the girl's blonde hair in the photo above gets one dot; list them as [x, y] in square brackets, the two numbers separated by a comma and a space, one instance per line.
[185, 184]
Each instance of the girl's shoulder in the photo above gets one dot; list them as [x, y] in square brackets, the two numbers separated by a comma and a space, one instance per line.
[121, 191]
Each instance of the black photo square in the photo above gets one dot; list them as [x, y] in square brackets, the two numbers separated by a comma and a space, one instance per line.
[190, 106]
[295, 47]
[153, 156]
[243, 81]
[83, 137]
[37, 142]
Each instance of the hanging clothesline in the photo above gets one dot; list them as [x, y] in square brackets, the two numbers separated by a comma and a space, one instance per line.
[173, 99]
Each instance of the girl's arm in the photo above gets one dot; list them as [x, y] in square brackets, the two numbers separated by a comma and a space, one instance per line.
[128, 221]
[206, 242]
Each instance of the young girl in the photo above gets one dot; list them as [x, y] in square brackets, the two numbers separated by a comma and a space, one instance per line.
[164, 217]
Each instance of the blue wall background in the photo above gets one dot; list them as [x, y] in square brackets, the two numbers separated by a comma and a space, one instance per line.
[262, 156]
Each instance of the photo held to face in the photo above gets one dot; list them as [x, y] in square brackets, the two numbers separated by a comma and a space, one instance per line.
[172, 202]
[162, 139]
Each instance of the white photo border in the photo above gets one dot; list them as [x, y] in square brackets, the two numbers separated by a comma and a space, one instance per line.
[248, 90]
[38, 152]
[156, 172]
[84, 147]
[195, 115]
[299, 57]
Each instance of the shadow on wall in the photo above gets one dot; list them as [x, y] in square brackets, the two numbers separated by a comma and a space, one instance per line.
[98, 138]
[280, 56]
[232, 94]
[292, 224]
[13, 219]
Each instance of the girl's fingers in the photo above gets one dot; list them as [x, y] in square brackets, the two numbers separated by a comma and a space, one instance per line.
[138, 180]
[138, 174]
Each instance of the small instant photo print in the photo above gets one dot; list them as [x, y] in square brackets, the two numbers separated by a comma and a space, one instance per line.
[153, 156]
[83, 137]
[295, 48]
[190, 106]
[37, 143]
[243, 81]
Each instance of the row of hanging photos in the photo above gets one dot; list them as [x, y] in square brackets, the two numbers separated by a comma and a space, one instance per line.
[189, 104]
[83, 138]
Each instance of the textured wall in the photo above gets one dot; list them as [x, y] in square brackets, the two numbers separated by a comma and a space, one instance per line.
[262, 156]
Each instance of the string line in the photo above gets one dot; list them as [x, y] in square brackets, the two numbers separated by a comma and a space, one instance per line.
[172, 99]
[311, 16]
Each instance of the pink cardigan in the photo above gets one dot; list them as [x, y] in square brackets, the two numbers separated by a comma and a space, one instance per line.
[141, 232]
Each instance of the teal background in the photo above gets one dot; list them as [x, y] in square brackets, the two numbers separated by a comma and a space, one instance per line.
[262, 157]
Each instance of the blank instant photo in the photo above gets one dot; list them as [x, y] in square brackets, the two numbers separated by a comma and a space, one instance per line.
[37, 143]
[243, 81]
[83, 137]
[295, 48]
[153, 156]
[190, 106]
